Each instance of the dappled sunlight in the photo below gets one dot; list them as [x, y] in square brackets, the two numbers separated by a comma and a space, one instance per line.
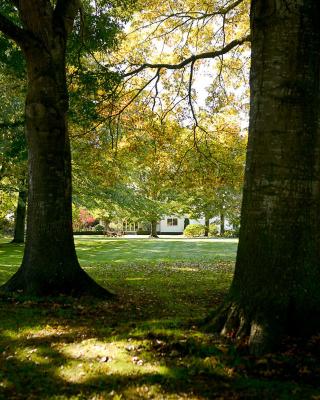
[32, 355]
[91, 349]
[92, 358]
[65, 359]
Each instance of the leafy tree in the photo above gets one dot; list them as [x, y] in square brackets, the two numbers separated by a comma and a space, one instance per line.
[213, 169]
[151, 152]
[41, 29]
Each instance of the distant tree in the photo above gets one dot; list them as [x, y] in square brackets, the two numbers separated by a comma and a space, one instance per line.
[152, 149]
[212, 172]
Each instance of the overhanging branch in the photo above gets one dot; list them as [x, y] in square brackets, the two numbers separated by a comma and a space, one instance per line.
[11, 30]
[192, 59]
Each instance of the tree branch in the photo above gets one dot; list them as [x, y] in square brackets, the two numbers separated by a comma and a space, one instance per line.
[190, 16]
[12, 124]
[11, 30]
[191, 59]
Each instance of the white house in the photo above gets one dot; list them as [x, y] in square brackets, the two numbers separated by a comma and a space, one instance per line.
[170, 224]
[175, 225]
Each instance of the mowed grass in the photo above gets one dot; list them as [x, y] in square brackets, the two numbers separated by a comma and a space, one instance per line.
[148, 343]
[119, 251]
[162, 273]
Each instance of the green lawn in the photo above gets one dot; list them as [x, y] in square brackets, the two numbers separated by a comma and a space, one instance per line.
[149, 343]
[92, 250]
[158, 269]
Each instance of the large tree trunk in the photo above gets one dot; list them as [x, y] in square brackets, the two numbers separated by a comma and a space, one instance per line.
[50, 264]
[276, 287]
[20, 217]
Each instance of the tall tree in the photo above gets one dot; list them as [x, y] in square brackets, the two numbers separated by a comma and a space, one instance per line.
[276, 287]
[41, 29]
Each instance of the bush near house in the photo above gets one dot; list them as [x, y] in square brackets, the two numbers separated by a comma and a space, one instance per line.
[197, 230]
[194, 230]
[230, 233]
[213, 230]
[99, 228]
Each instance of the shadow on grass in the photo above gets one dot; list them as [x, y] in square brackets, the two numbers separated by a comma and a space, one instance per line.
[68, 349]
[58, 350]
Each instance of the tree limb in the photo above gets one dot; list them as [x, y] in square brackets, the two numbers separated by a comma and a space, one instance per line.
[11, 30]
[12, 124]
[190, 16]
[191, 59]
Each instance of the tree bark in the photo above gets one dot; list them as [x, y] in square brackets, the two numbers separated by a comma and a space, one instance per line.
[206, 226]
[153, 232]
[20, 217]
[50, 265]
[222, 223]
[276, 286]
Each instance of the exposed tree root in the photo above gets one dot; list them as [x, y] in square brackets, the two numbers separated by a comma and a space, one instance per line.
[233, 323]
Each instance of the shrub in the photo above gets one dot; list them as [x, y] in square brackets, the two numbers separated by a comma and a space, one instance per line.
[213, 230]
[194, 230]
[99, 228]
[230, 233]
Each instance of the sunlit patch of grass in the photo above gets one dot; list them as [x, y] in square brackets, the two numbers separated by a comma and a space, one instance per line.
[92, 358]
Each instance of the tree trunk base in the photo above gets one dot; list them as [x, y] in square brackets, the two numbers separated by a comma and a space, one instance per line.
[232, 322]
[78, 285]
[155, 236]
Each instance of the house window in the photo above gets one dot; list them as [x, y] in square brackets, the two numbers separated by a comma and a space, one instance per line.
[172, 221]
